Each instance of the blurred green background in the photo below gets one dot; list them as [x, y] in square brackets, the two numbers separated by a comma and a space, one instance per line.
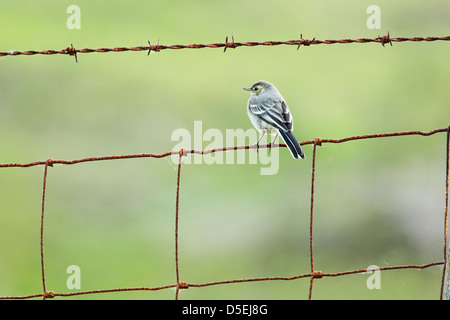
[378, 202]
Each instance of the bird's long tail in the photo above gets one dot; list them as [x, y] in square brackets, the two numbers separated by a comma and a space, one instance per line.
[292, 144]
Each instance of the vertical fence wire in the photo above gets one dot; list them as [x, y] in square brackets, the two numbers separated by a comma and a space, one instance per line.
[445, 283]
[176, 224]
[44, 187]
[313, 175]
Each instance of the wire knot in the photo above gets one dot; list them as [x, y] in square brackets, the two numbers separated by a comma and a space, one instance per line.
[229, 44]
[71, 51]
[49, 162]
[317, 274]
[305, 42]
[318, 141]
[183, 285]
[183, 152]
[49, 294]
[385, 39]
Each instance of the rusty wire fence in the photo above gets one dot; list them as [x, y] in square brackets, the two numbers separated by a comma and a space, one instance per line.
[180, 284]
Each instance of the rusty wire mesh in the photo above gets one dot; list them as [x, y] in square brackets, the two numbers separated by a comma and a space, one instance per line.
[312, 275]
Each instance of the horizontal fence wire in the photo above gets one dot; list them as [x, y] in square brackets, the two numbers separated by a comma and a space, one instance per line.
[72, 51]
[312, 275]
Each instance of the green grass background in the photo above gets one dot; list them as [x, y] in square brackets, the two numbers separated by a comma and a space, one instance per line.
[377, 201]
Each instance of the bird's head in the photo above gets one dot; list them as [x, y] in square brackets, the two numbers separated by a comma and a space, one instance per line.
[260, 87]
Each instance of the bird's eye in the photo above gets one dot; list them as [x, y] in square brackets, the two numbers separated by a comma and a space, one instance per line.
[255, 88]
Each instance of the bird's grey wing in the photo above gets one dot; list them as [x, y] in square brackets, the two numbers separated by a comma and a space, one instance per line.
[274, 112]
[287, 116]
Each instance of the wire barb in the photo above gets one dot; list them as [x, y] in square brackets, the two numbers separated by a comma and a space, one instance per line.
[71, 51]
[385, 39]
[305, 42]
[231, 44]
[153, 48]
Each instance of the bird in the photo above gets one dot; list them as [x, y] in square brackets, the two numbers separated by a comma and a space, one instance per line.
[270, 114]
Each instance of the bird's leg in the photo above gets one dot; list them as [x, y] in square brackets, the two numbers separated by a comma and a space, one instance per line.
[257, 143]
[273, 141]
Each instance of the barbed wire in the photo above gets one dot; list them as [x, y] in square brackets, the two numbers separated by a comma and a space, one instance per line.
[72, 51]
[314, 274]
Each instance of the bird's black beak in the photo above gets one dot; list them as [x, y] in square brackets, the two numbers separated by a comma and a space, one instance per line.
[247, 89]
